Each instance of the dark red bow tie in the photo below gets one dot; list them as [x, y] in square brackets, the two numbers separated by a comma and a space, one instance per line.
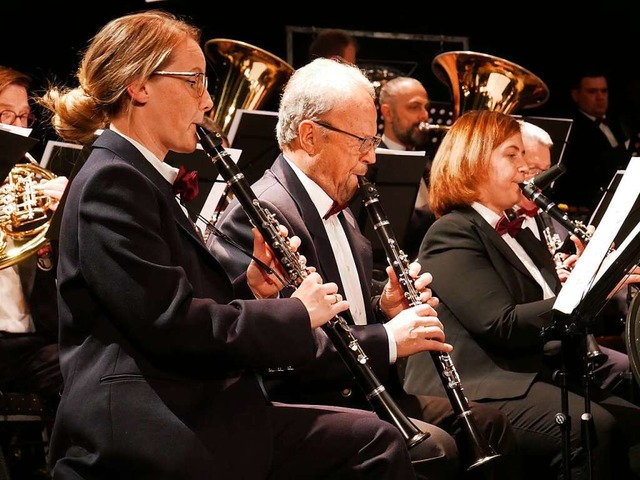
[335, 208]
[512, 227]
[186, 184]
[602, 120]
[529, 212]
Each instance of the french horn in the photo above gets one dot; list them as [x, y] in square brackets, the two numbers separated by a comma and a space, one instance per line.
[25, 213]
[248, 77]
[484, 82]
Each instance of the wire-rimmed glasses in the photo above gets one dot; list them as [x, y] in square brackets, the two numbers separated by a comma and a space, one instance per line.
[366, 143]
[199, 84]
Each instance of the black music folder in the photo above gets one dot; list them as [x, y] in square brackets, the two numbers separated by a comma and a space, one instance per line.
[632, 219]
[397, 175]
[254, 132]
[13, 147]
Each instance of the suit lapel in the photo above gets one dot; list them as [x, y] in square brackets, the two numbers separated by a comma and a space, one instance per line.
[325, 257]
[495, 241]
[327, 268]
[130, 154]
[540, 256]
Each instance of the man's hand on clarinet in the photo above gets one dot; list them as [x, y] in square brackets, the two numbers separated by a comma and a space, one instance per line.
[393, 299]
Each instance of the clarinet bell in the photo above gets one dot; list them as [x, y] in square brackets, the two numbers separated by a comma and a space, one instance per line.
[595, 356]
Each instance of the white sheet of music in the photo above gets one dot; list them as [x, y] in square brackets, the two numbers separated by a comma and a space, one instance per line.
[592, 263]
[218, 189]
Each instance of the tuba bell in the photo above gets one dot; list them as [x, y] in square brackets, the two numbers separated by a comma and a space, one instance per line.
[25, 213]
[483, 82]
[248, 76]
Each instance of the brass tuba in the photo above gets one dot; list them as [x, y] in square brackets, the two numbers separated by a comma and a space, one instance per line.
[248, 76]
[483, 82]
[24, 213]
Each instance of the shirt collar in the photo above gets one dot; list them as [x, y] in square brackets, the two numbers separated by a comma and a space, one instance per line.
[489, 215]
[391, 145]
[318, 196]
[167, 171]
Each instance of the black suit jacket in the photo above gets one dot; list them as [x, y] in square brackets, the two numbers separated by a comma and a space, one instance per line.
[591, 162]
[156, 361]
[327, 380]
[491, 307]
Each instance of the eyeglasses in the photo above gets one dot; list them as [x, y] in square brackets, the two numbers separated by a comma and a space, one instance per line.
[9, 116]
[199, 85]
[366, 143]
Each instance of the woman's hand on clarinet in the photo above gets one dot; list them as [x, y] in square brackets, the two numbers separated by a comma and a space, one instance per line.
[393, 299]
[322, 300]
[265, 284]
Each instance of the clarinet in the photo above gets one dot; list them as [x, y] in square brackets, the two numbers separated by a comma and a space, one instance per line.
[337, 329]
[483, 452]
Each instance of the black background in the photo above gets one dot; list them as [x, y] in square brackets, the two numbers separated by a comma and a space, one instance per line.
[47, 41]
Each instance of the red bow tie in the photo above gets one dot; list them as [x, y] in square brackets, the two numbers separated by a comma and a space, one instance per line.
[512, 227]
[529, 212]
[335, 208]
[186, 184]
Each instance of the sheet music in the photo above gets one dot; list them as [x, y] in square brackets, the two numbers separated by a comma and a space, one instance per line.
[409, 153]
[216, 192]
[23, 131]
[592, 263]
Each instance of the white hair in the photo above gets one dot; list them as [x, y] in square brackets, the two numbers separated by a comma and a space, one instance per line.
[529, 131]
[315, 89]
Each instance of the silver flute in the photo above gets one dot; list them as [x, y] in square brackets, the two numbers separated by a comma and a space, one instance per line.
[483, 452]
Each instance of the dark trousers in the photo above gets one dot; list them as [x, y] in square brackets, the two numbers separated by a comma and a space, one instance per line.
[533, 417]
[29, 364]
[336, 443]
[493, 427]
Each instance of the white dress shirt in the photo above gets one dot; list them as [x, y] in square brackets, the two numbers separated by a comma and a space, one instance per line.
[343, 255]
[15, 316]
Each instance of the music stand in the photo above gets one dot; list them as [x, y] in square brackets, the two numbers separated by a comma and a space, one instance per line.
[61, 157]
[397, 175]
[598, 271]
[557, 128]
[254, 132]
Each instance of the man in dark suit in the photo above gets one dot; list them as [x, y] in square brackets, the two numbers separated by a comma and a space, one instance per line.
[596, 148]
[323, 153]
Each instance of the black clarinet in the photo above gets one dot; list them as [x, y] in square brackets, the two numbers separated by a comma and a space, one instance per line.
[337, 329]
[483, 452]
